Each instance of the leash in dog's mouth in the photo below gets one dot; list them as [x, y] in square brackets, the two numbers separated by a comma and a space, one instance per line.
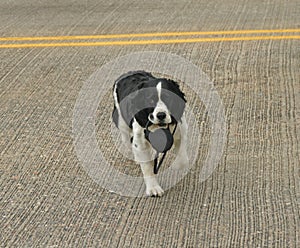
[161, 140]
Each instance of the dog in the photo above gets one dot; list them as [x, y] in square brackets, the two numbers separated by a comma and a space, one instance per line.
[143, 106]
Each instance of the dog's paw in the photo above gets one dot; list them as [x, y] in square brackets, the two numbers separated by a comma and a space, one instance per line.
[154, 191]
[152, 187]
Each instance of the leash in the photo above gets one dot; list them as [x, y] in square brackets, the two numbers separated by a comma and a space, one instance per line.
[161, 140]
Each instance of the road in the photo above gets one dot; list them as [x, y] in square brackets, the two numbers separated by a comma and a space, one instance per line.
[249, 50]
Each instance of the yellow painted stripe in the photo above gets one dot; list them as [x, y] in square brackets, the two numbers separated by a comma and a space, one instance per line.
[141, 35]
[148, 42]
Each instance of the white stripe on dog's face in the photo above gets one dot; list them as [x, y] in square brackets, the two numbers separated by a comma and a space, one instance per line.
[161, 114]
[158, 88]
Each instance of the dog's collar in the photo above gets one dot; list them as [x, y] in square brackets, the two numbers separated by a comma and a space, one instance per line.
[161, 140]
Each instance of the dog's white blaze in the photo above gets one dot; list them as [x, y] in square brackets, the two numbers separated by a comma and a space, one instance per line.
[158, 87]
[160, 104]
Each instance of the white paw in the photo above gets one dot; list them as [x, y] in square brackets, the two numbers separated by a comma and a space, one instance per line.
[154, 191]
[152, 187]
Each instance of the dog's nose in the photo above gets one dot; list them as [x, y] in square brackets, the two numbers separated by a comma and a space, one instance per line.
[161, 115]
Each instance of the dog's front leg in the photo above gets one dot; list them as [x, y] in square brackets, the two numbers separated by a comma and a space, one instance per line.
[180, 143]
[152, 186]
[142, 153]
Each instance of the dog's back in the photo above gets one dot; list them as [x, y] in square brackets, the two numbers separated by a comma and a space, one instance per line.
[130, 82]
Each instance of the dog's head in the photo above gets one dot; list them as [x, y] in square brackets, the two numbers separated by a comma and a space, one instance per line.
[159, 101]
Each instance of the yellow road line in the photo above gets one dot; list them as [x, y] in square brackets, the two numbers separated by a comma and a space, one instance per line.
[141, 35]
[148, 42]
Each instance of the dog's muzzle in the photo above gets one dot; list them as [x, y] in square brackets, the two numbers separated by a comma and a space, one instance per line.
[160, 118]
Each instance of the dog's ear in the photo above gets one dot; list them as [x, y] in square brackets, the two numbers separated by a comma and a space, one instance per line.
[175, 88]
[128, 107]
[174, 98]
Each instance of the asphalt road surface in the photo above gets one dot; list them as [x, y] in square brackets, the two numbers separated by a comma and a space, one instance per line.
[250, 50]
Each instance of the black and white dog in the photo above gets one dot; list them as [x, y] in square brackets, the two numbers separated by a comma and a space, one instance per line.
[144, 104]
